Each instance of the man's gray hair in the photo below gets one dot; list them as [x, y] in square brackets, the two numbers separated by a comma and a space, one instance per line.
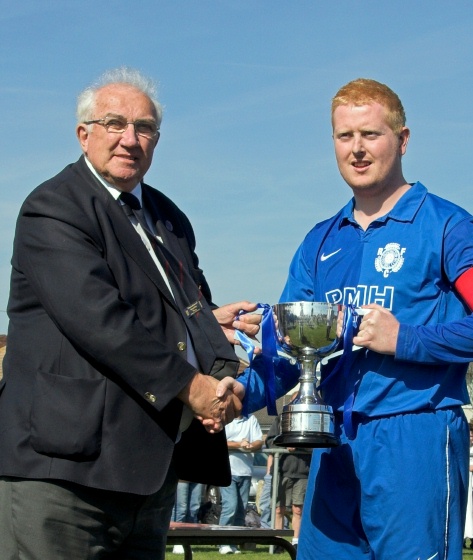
[123, 75]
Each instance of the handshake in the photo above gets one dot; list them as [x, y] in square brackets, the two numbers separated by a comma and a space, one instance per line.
[216, 403]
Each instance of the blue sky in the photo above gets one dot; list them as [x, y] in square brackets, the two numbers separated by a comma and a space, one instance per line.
[246, 145]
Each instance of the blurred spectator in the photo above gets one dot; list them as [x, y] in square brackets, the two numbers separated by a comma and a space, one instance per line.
[244, 436]
[293, 474]
[264, 499]
[186, 506]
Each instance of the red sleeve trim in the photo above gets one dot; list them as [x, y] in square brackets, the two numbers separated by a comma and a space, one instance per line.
[464, 286]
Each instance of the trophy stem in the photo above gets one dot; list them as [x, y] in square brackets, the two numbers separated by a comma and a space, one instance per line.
[307, 421]
[308, 393]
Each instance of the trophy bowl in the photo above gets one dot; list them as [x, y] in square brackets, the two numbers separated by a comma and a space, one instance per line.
[307, 330]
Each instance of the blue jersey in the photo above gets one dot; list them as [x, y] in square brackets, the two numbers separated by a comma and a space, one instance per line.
[407, 261]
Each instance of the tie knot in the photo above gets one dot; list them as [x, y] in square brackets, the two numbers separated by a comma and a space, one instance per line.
[131, 200]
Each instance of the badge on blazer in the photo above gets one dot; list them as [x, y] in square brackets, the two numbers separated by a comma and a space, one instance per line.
[193, 308]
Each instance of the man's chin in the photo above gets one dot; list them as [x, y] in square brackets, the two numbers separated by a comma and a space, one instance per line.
[126, 181]
[360, 183]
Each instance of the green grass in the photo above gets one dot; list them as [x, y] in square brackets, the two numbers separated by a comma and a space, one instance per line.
[212, 553]
[261, 553]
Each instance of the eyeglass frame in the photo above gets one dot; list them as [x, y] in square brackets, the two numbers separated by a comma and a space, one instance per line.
[102, 122]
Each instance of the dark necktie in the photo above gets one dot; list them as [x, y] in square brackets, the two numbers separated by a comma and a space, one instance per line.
[132, 207]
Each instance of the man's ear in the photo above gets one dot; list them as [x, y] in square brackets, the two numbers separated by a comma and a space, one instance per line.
[82, 133]
[404, 139]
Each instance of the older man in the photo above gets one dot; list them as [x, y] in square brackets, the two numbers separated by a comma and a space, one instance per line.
[114, 349]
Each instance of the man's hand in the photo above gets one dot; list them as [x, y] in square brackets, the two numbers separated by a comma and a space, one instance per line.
[230, 320]
[378, 330]
[212, 409]
[228, 384]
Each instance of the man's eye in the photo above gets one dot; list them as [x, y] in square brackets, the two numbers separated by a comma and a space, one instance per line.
[145, 128]
[115, 124]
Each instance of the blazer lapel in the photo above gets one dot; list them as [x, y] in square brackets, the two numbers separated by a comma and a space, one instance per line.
[165, 226]
[175, 249]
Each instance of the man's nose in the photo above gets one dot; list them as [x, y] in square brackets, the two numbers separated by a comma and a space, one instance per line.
[358, 145]
[129, 135]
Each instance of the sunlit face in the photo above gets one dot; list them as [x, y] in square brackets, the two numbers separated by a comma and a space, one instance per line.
[121, 159]
[368, 151]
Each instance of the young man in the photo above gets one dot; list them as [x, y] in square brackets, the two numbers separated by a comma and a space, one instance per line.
[396, 487]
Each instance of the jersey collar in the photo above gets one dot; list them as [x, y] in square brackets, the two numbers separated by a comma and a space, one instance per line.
[404, 211]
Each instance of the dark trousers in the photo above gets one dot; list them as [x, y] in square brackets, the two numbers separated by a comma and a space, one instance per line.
[59, 520]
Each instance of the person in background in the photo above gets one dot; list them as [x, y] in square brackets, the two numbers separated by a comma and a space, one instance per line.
[293, 473]
[186, 507]
[244, 437]
[115, 349]
[264, 501]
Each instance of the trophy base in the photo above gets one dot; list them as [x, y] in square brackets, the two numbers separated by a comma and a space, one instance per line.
[307, 425]
[304, 439]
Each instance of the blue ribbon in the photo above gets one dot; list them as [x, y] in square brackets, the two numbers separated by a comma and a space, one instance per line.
[345, 364]
[350, 330]
[269, 352]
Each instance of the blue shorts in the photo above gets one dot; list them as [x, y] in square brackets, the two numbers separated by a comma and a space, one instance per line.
[398, 491]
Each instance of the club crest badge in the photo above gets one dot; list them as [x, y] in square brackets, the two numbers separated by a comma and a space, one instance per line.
[390, 259]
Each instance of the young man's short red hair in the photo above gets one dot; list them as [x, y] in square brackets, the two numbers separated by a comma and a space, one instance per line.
[364, 92]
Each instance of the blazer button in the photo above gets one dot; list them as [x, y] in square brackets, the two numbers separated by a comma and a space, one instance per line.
[181, 346]
[150, 397]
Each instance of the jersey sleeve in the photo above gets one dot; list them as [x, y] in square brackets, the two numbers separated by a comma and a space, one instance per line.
[450, 342]
[458, 250]
[253, 379]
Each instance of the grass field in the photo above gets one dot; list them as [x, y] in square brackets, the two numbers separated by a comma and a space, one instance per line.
[261, 553]
[212, 553]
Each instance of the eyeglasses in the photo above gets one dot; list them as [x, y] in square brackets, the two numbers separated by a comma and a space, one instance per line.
[116, 124]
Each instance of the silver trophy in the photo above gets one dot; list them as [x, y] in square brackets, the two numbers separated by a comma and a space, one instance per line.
[307, 330]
